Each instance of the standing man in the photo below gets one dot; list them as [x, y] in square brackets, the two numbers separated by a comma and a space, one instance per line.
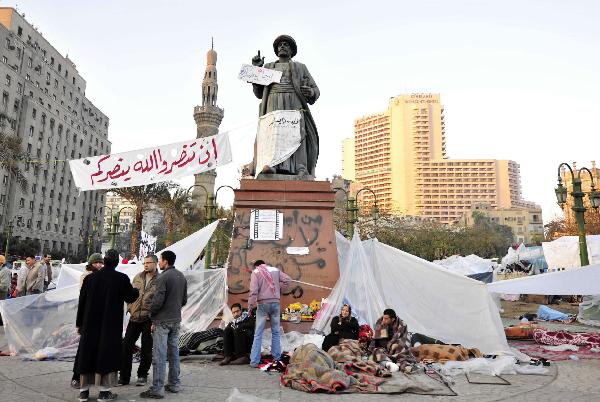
[140, 324]
[4, 281]
[47, 264]
[31, 277]
[266, 284]
[100, 324]
[165, 313]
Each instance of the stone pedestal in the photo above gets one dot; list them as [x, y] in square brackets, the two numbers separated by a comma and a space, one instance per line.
[307, 208]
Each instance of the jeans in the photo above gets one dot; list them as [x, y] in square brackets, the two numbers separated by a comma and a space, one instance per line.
[134, 329]
[166, 346]
[263, 311]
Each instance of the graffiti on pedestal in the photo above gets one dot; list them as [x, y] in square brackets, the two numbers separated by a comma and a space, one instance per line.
[300, 229]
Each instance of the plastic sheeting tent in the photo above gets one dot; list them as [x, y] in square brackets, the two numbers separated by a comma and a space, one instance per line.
[432, 301]
[469, 265]
[564, 251]
[522, 253]
[47, 320]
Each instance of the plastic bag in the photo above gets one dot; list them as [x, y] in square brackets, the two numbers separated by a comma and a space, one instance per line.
[237, 396]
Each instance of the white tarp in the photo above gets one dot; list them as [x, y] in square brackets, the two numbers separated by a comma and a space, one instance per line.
[357, 287]
[522, 253]
[277, 138]
[47, 320]
[151, 165]
[469, 265]
[564, 251]
[576, 281]
[432, 301]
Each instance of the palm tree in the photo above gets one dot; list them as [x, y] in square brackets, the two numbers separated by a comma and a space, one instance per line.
[173, 206]
[11, 156]
[142, 197]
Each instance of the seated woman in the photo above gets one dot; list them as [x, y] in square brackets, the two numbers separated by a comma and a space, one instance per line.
[343, 326]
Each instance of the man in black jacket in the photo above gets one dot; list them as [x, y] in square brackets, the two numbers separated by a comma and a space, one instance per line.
[170, 295]
[237, 337]
[100, 323]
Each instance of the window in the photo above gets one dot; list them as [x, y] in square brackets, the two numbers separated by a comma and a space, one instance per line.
[59, 67]
[51, 61]
[5, 179]
[5, 99]
[20, 31]
[28, 223]
[22, 202]
[47, 78]
[28, 78]
[19, 88]
[2, 199]
[55, 85]
[34, 113]
[31, 205]
[7, 44]
[31, 128]
[33, 189]
[8, 80]
[30, 62]
[38, 225]
[4, 59]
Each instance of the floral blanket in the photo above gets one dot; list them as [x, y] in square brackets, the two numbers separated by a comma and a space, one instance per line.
[398, 347]
[564, 337]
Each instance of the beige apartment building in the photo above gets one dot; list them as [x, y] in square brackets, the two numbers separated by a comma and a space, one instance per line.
[526, 223]
[401, 155]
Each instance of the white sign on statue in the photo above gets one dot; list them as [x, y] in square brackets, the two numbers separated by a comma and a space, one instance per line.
[151, 165]
[266, 224]
[259, 75]
[278, 137]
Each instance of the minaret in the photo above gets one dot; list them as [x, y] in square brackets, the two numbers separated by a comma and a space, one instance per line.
[208, 117]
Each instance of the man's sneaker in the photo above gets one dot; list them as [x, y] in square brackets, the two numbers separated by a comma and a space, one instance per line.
[84, 395]
[75, 384]
[105, 396]
[151, 395]
[171, 388]
[141, 381]
[122, 382]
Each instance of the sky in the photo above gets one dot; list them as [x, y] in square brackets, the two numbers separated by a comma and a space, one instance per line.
[518, 80]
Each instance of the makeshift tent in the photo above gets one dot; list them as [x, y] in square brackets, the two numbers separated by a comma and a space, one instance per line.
[431, 300]
[469, 265]
[47, 320]
[564, 251]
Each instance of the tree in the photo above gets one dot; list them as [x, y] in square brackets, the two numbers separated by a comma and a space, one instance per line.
[11, 157]
[142, 197]
[173, 206]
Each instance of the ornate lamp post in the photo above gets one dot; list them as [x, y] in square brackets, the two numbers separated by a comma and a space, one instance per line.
[91, 237]
[352, 210]
[114, 224]
[9, 229]
[578, 207]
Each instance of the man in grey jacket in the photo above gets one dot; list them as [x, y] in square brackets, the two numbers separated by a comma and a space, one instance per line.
[169, 297]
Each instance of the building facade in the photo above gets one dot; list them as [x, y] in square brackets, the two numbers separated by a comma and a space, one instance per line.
[401, 155]
[526, 223]
[208, 117]
[44, 104]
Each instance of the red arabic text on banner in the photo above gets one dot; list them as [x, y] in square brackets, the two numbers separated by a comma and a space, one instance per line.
[151, 165]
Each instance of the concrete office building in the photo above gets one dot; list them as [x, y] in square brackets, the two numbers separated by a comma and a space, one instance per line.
[401, 155]
[44, 104]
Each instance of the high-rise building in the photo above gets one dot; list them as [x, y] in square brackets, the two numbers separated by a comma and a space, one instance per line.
[44, 104]
[208, 117]
[401, 155]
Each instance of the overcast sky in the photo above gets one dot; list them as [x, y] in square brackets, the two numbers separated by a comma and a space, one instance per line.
[519, 79]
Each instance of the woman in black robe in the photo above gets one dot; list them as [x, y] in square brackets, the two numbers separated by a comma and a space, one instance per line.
[100, 323]
[343, 326]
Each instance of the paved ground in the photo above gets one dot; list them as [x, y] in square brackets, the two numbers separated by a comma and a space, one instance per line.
[24, 381]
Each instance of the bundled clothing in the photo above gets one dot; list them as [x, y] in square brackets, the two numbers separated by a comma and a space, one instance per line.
[555, 338]
[392, 342]
[341, 329]
[442, 353]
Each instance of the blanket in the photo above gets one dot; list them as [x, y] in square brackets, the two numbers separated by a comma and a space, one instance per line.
[444, 353]
[398, 346]
[564, 337]
[312, 370]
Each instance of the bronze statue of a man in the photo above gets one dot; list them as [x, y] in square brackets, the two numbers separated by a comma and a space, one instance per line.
[295, 91]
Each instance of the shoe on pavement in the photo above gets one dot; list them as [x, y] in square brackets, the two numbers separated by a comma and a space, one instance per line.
[241, 360]
[105, 396]
[171, 388]
[122, 382]
[141, 381]
[75, 384]
[253, 365]
[225, 361]
[84, 396]
[151, 394]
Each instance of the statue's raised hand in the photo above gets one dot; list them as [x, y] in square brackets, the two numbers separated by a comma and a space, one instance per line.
[258, 61]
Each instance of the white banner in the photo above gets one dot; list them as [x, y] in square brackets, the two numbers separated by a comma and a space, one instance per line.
[147, 245]
[259, 75]
[151, 165]
[278, 137]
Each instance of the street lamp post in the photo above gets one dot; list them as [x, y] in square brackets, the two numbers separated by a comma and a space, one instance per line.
[352, 209]
[91, 237]
[9, 229]
[114, 225]
[578, 206]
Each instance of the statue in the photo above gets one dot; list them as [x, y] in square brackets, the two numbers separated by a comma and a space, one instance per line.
[295, 91]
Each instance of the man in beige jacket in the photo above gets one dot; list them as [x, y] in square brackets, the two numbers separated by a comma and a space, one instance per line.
[31, 277]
